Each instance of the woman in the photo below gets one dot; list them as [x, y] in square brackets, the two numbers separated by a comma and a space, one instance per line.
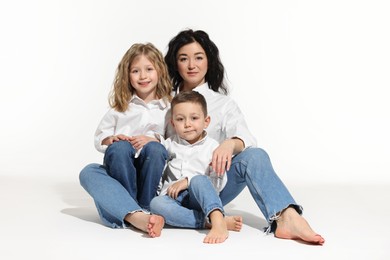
[194, 64]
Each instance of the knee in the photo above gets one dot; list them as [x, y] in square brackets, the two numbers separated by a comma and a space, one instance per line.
[198, 180]
[87, 172]
[257, 155]
[120, 147]
[156, 204]
[153, 149]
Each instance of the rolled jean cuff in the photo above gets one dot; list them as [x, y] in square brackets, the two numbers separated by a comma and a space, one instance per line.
[272, 221]
[127, 224]
[207, 218]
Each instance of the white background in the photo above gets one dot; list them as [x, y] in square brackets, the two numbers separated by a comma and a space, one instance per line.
[312, 78]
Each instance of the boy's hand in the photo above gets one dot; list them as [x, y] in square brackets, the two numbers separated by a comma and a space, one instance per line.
[174, 190]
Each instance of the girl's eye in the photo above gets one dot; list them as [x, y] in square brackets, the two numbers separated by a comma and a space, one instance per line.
[134, 71]
[182, 59]
[150, 69]
[199, 58]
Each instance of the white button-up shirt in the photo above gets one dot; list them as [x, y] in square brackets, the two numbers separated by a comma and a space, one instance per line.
[140, 118]
[188, 160]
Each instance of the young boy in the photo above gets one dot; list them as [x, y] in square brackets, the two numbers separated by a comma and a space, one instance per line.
[188, 184]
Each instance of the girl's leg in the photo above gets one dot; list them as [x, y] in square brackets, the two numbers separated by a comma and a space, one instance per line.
[119, 163]
[112, 200]
[150, 165]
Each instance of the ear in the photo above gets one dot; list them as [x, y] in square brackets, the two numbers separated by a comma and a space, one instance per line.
[207, 121]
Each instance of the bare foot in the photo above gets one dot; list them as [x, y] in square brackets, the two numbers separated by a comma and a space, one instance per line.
[233, 223]
[156, 224]
[151, 224]
[219, 231]
[291, 225]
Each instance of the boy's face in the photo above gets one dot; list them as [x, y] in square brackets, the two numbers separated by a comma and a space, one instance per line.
[189, 121]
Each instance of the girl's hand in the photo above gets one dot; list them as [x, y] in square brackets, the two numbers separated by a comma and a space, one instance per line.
[139, 141]
[114, 138]
[174, 190]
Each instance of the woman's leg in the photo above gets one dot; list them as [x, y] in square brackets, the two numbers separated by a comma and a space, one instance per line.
[253, 168]
[150, 165]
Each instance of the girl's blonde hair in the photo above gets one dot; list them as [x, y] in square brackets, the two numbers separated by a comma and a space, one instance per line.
[123, 91]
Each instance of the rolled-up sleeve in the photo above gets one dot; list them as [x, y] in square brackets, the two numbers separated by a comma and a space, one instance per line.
[105, 129]
[234, 125]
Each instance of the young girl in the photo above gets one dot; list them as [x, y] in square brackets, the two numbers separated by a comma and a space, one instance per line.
[133, 162]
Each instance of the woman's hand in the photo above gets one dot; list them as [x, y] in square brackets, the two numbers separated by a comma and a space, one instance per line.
[174, 190]
[222, 155]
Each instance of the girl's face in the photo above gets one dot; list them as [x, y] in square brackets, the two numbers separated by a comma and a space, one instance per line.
[143, 78]
[192, 65]
[189, 121]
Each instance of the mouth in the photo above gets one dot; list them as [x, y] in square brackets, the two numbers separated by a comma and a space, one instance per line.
[143, 84]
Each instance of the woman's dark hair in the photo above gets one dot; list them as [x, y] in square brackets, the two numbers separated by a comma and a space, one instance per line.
[215, 72]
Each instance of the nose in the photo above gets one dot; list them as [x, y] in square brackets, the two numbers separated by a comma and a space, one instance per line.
[142, 74]
[191, 64]
[187, 123]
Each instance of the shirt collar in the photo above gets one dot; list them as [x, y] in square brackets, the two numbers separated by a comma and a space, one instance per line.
[201, 88]
[185, 142]
[162, 102]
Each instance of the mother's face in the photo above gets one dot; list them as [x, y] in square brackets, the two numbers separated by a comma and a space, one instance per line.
[192, 65]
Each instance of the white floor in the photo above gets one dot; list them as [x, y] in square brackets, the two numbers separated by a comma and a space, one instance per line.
[54, 218]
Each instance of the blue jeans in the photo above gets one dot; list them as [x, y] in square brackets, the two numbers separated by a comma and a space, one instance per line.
[124, 184]
[192, 207]
[251, 168]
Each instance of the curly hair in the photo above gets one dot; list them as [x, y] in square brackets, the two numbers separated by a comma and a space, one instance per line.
[122, 90]
[216, 71]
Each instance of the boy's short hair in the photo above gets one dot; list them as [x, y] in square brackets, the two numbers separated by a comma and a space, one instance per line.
[192, 97]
